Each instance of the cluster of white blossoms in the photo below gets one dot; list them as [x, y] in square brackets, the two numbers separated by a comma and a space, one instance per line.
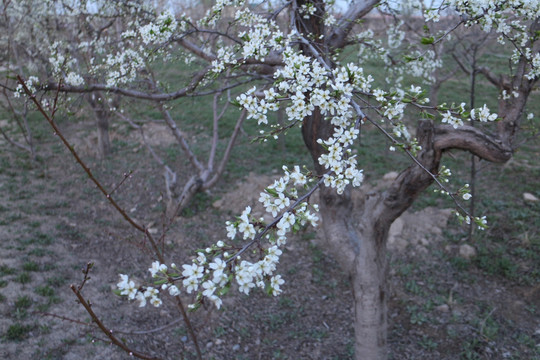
[432, 14]
[395, 35]
[480, 221]
[159, 31]
[31, 83]
[62, 65]
[123, 66]
[535, 67]
[74, 79]
[149, 294]
[510, 19]
[307, 10]
[422, 65]
[483, 114]
[306, 84]
[214, 13]
[262, 37]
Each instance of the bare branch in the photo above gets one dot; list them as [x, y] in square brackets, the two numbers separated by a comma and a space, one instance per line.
[338, 37]
[108, 332]
[209, 183]
[180, 138]
[13, 142]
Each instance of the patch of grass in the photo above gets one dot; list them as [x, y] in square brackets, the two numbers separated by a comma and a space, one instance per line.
[31, 266]
[34, 224]
[219, 331]
[40, 252]
[3, 283]
[18, 332]
[317, 334]
[459, 263]
[428, 343]
[6, 270]
[23, 302]
[417, 317]
[49, 266]
[21, 306]
[412, 287]
[496, 263]
[68, 231]
[11, 218]
[44, 291]
[56, 281]
[471, 350]
[200, 202]
[38, 238]
[24, 278]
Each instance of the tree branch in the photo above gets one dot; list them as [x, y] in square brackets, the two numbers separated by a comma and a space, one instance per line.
[337, 39]
[195, 81]
[471, 139]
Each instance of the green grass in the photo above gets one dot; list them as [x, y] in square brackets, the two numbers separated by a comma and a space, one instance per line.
[18, 332]
[22, 304]
[6, 270]
[44, 291]
[23, 278]
[40, 252]
[30, 266]
[56, 281]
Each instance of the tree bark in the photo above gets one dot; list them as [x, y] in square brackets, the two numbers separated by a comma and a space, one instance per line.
[101, 113]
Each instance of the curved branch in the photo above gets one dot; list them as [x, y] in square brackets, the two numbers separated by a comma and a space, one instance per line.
[434, 141]
[473, 140]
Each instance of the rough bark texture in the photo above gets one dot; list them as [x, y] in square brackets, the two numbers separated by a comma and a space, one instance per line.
[101, 113]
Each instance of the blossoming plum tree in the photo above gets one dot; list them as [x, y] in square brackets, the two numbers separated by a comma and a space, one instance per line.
[294, 53]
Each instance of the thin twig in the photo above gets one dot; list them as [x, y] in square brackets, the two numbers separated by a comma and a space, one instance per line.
[57, 131]
[105, 330]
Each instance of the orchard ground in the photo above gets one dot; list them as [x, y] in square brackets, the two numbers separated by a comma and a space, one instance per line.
[443, 305]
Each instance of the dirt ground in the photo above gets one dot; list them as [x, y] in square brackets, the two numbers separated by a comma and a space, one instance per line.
[53, 222]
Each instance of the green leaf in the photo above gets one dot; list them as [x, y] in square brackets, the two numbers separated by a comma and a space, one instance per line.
[272, 192]
[223, 291]
[427, 40]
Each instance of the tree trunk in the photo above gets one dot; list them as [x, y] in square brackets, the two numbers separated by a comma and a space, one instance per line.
[104, 142]
[370, 296]
[358, 242]
[101, 113]
[356, 233]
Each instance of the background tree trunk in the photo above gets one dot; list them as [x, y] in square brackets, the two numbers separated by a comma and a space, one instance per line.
[102, 114]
